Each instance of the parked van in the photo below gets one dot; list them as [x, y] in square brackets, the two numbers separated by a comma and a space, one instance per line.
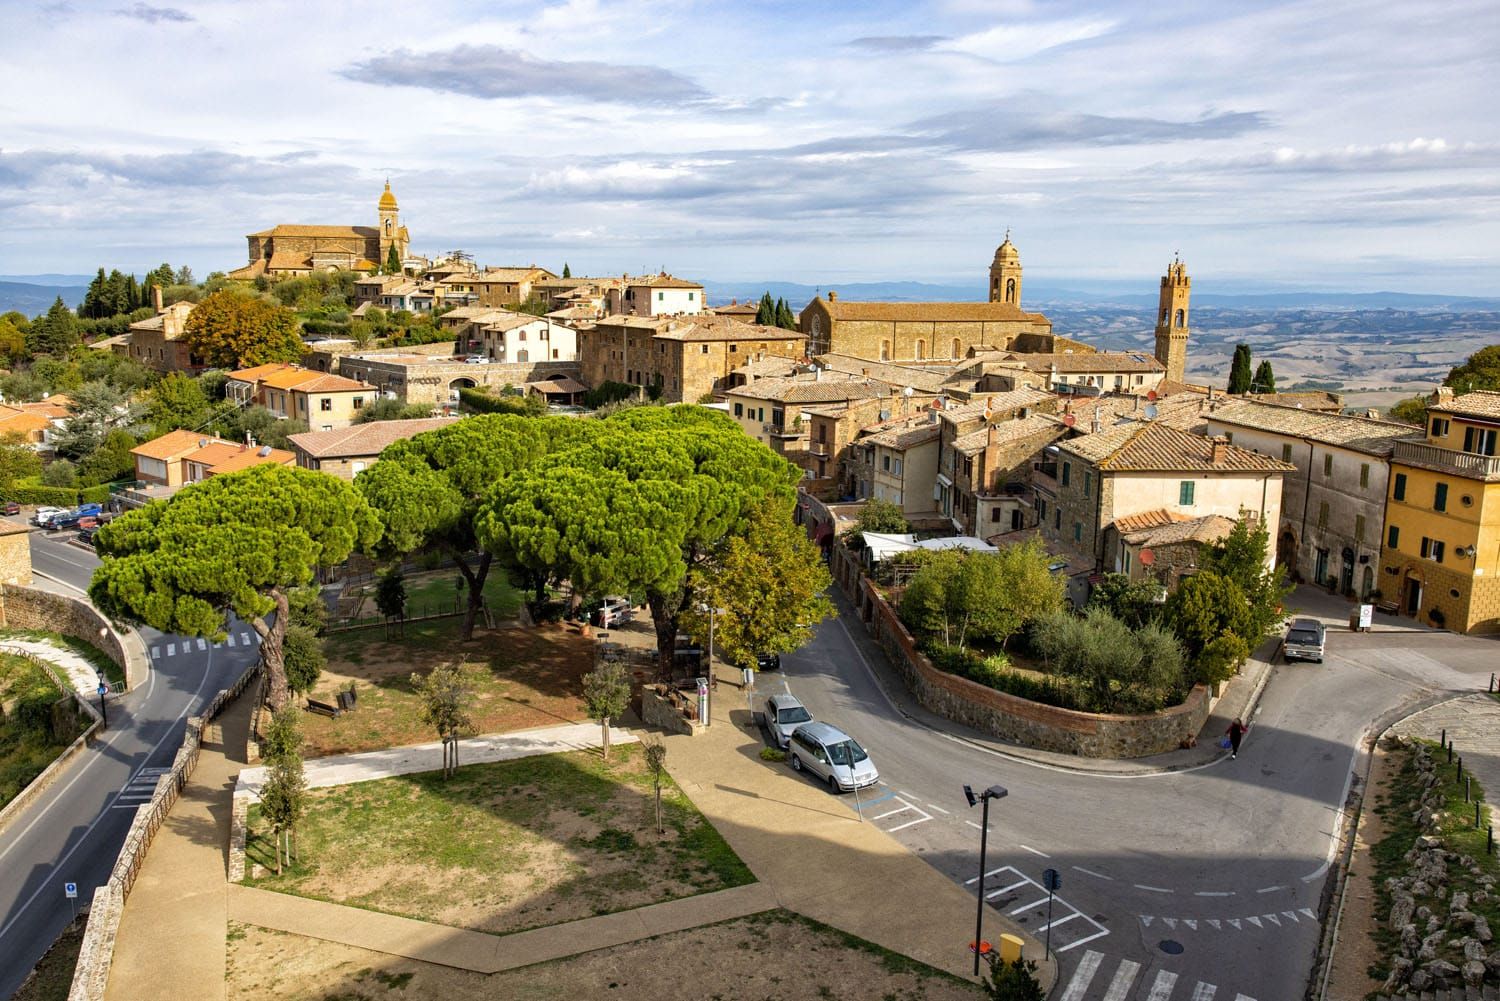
[825, 751]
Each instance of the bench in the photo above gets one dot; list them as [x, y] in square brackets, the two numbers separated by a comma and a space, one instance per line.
[323, 708]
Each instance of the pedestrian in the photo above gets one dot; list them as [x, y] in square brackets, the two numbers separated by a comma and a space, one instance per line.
[1236, 733]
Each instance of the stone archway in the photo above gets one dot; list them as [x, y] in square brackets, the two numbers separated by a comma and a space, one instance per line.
[458, 384]
[1286, 553]
[1367, 581]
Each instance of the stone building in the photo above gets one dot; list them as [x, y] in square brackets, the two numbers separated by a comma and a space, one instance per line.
[897, 461]
[1129, 372]
[1441, 555]
[414, 377]
[1172, 320]
[321, 400]
[686, 358]
[15, 554]
[496, 287]
[156, 342]
[295, 249]
[990, 491]
[1166, 546]
[1333, 505]
[177, 459]
[347, 452]
[771, 410]
[654, 295]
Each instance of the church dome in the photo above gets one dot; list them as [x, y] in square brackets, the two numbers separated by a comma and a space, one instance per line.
[1007, 253]
[387, 200]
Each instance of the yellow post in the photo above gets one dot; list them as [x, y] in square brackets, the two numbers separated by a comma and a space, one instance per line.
[1010, 948]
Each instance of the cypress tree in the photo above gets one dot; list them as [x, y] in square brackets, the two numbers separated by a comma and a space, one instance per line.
[1239, 370]
[567, 271]
[784, 317]
[1265, 379]
[115, 294]
[765, 314]
[392, 261]
[132, 295]
[93, 299]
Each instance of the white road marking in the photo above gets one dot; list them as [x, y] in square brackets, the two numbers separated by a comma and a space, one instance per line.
[1034, 851]
[230, 640]
[1026, 907]
[1204, 992]
[1073, 945]
[1270, 889]
[156, 653]
[1124, 977]
[1316, 873]
[1162, 988]
[1013, 886]
[909, 823]
[973, 825]
[1191, 923]
[1243, 997]
[202, 644]
[1083, 976]
[1150, 889]
[1170, 923]
[1255, 922]
[1215, 922]
[909, 795]
[1146, 920]
[1290, 914]
[1309, 912]
[1235, 922]
[971, 882]
[892, 813]
[171, 649]
[1214, 893]
[1273, 919]
[941, 810]
[1090, 872]
[1054, 924]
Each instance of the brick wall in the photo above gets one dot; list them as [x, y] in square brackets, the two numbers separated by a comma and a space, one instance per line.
[26, 608]
[1020, 721]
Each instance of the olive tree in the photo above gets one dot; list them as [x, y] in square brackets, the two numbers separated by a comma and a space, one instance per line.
[606, 695]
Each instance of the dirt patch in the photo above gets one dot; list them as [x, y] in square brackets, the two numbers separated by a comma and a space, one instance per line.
[504, 846]
[1356, 951]
[52, 977]
[528, 677]
[773, 955]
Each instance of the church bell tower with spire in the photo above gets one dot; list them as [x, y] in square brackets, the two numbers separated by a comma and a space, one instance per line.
[1172, 320]
[1005, 274]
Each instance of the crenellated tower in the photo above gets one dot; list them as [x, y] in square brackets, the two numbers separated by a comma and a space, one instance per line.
[1172, 320]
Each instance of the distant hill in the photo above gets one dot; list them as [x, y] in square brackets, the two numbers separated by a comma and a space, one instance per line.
[32, 299]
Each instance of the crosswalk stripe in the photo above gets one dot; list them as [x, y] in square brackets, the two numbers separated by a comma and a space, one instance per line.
[245, 638]
[1161, 989]
[1124, 977]
[171, 649]
[230, 641]
[1243, 997]
[1083, 976]
[203, 644]
[1204, 992]
[156, 653]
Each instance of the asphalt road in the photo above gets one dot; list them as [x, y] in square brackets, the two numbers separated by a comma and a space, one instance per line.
[74, 831]
[1194, 885]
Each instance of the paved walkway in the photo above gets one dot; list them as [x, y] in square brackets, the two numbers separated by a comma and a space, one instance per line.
[366, 766]
[77, 669]
[172, 937]
[482, 952]
[819, 860]
[1472, 723]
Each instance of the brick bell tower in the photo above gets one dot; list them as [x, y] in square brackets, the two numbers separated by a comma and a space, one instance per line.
[1005, 274]
[1172, 319]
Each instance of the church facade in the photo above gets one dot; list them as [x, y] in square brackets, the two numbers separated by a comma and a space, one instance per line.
[292, 249]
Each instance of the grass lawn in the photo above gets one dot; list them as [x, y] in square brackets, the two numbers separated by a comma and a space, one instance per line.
[528, 677]
[53, 976]
[26, 746]
[114, 672]
[1398, 801]
[433, 592]
[776, 954]
[505, 846]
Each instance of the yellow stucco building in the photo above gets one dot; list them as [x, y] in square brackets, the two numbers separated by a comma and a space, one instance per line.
[1440, 562]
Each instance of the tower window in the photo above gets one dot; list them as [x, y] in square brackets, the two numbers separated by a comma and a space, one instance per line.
[1182, 318]
[1010, 290]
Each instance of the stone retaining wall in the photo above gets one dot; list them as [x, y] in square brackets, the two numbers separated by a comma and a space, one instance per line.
[659, 711]
[50, 774]
[47, 611]
[1009, 717]
[91, 975]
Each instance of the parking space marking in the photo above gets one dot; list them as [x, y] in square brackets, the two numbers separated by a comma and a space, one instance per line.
[922, 815]
[1064, 913]
[1026, 907]
[974, 879]
[1057, 921]
[1150, 889]
[934, 806]
[1096, 875]
[1083, 941]
[1034, 851]
[1014, 886]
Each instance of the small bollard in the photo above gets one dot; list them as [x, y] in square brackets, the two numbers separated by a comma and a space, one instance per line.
[1450, 754]
[1489, 841]
[1460, 766]
[1492, 681]
[1476, 815]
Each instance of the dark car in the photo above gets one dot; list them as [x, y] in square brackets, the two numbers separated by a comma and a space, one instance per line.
[68, 519]
[11, 507]
[768, 662]
[86, 535]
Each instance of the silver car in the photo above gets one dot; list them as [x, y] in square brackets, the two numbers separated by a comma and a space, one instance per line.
[784, 713]
[1304, 641]
[826, 751]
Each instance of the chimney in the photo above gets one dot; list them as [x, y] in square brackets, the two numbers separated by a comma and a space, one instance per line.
[1442, 395]
[1096, 424]
[993, 434]
[817, 374]
[1220, 450]
[156, 298]
[833, 296]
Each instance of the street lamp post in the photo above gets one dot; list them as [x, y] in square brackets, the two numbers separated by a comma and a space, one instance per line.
[993, 792]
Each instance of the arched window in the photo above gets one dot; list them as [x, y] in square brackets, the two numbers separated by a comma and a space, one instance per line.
[958, 348]
[1182, 317]
[1164, 316]
[521, 355]
[921, 350]
[885, 350]
[1010, 290]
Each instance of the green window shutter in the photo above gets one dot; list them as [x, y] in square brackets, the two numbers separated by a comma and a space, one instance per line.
[1399, 493]
[1185, 493]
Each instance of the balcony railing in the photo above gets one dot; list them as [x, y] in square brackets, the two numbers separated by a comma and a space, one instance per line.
[819, 447]
[1482, 467]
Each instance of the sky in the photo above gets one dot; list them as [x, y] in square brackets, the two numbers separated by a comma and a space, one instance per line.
[1324, 144]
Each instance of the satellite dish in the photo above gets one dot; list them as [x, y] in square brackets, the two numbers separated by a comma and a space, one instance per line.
[1151, 412]
[1151, 395]
[1147, 557]
[1070, 420]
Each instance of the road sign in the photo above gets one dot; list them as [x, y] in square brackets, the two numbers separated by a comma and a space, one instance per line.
[70, 890]
[103, 688]
[1051, 880]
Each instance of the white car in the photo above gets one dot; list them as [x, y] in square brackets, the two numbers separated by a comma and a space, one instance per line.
[42, 515]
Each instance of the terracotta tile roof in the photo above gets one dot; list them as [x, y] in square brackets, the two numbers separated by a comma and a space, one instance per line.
[557, 384]
[930, 311]
[768, 368]
[1157, 447]
[1148, 519]
[328, 383]
[721, 328]
[1316, 400]
[22, 422]
[1090, 362]
[1006, 402]
[505, 320]
[1483, 403]
[508, 276]
[930, 379]
[364, 439]
[254, 269]
[913, 432]
[228, 457]
[333, 232]
[805, 389]
[1042, 426]
[173, 444]
[258, 372]
[737, 309]
[289, 260]
[661, 281]
[1361, 434]
[1208, 529]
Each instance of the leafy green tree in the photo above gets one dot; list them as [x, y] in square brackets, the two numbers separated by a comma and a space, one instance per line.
[959, 596]
[1204, 608]
[111, 461]
[233, 543]
[428, 489]
[60, 473]
[1412, 410]
[232, 330]
[1221, 658]
[18, 460]
[567, 272]
[184, 276]
[96, 408]
[392, 410]
[1265, 379]
[1481, 370]
[1239, 370]
[393, 261]
[447, 693]
[12, 343]
[770, 583]
[283, 795]
[306, 608]
[1012, 981]
[54, 333]
[882, 517]
[390, 599]
[606, 696]
[1134, 602]
[648, 496]
[302, 652]
[262, 425]
[178, 401]
[656, 764]
[1242, 556]
[283, 735]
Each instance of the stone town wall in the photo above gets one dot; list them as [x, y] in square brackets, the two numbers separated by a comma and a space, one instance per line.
[27, 608]
[15, 558]
[432, 382]
[1020, 721]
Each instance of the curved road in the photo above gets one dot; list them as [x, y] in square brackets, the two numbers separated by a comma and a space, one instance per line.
[74, 831]
[1195, 885]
